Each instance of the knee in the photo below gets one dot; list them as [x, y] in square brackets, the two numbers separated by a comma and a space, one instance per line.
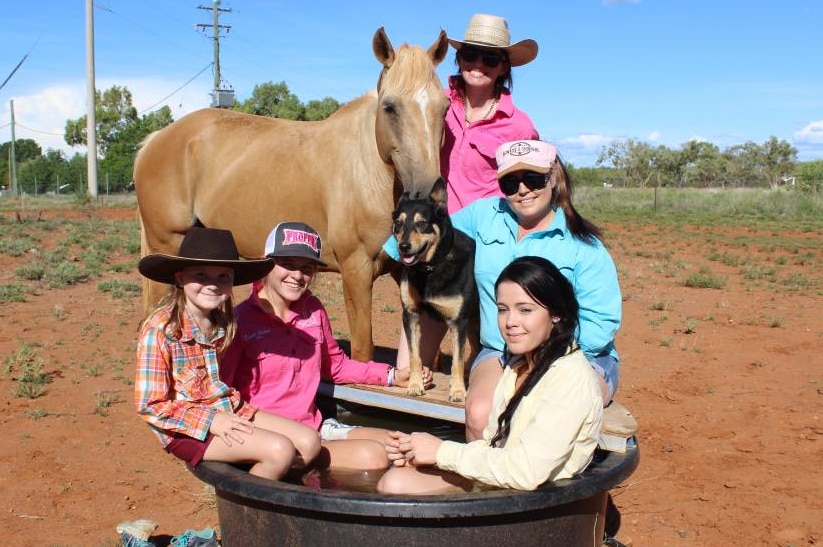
[390, 483]
[477, 417]
[372, 457]
[307, 444]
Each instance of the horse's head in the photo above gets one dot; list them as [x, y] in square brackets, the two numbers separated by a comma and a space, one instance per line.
[411, 107]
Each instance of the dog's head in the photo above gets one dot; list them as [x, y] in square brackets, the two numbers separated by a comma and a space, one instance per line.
[418, 225]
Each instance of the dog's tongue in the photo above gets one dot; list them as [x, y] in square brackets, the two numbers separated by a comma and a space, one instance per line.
[408, 260]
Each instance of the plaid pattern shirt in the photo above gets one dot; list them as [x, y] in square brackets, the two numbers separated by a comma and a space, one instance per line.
[177, 387]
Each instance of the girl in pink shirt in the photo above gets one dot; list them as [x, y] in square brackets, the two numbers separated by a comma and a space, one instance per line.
[285, 346]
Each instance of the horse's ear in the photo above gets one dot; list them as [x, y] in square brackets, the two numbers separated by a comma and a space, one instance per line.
[437, 51]
[438, 194]
[383, 50]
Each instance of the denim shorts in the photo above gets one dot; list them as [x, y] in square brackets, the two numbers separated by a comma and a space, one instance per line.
[486, 353]
[609, 369]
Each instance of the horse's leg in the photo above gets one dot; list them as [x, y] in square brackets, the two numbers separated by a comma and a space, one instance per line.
[358, 276]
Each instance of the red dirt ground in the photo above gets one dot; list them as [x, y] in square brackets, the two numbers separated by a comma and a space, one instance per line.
[726, 385]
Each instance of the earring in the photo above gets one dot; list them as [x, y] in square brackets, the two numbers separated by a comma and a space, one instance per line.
[555, 319]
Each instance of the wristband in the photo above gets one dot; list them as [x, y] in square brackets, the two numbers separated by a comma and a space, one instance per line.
[390, 376]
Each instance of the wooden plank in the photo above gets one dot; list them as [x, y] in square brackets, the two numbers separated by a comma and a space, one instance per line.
[617, 420]
[434, 404]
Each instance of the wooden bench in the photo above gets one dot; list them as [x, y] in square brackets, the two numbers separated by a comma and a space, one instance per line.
[618, 430]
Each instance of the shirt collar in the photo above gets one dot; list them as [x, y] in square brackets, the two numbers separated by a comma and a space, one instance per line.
[557, 226]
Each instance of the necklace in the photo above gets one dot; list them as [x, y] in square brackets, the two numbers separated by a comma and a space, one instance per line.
[485, 116]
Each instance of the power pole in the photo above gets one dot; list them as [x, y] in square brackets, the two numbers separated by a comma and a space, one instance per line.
[91, 104]
[221, 98]
[12, 154]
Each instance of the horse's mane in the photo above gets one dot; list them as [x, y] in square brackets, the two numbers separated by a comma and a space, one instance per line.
[411, 70]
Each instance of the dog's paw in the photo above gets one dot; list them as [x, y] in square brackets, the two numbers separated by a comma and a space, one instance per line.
[457, 396]
[415, 389]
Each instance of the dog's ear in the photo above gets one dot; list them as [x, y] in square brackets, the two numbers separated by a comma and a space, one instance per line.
[438, 194]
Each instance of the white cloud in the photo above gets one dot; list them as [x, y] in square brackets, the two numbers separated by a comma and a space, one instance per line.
[42, 116]
[588, 141]
[811, 134]
[654, 136]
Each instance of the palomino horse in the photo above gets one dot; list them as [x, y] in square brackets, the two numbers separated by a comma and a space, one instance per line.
[342, 175]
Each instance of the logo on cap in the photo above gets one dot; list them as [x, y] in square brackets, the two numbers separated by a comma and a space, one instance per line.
[520, 148]
[299, 237]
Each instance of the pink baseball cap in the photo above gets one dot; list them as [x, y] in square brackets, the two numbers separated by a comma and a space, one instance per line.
[537, 156]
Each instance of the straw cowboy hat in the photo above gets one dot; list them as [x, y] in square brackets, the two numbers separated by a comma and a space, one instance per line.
[491, 31]
[204, 247]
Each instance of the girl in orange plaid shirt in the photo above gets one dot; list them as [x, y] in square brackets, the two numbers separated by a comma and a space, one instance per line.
[178, 390]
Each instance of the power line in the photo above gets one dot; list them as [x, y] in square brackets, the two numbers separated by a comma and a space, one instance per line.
[178, 89]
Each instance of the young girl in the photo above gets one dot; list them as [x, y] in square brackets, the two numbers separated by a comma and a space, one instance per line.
[285, 345]
[178, 390]
[546, 409]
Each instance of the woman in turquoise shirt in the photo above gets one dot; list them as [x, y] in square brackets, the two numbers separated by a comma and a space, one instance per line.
[536, 218]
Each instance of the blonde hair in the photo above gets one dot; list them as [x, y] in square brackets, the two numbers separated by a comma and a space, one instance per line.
[175, 299]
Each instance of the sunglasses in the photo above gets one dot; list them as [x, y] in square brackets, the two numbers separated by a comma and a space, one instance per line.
[510, 184]
[470, 55]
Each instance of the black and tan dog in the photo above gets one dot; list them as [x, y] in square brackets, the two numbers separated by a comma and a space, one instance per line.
[437, 278]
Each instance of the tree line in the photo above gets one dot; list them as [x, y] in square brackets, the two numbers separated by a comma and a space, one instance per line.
[622, 163]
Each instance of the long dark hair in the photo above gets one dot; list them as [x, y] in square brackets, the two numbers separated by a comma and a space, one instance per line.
[562, 196]
[543, 282]
[504, 81]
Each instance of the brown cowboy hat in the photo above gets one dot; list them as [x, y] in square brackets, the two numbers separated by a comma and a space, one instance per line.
[491, 31]
[204, 247]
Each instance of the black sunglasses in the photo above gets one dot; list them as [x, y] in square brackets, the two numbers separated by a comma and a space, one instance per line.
[470, 55]
[510, 184]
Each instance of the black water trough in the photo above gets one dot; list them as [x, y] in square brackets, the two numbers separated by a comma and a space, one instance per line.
[256, 512]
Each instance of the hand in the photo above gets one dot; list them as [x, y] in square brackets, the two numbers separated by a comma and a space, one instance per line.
[230, 428]
[392, 446]
[401, 377]
[419, 449]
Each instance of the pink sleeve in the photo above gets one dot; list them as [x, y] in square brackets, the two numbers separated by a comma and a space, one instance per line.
[340, 368]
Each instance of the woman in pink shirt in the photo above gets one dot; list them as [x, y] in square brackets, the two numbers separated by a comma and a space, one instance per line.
[481, 115]
[284, 346]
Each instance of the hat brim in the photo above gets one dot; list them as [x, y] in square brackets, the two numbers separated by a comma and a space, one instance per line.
[521, 166]
[521, 53]
[295, 254]
[162, 267]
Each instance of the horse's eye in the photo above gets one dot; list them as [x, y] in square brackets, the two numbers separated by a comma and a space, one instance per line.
[389, 108]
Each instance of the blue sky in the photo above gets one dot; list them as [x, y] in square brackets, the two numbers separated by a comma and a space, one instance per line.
[660, 71]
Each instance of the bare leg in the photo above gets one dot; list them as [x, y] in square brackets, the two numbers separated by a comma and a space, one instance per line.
[271, 453]
[359, 454]
[306, 440]
[482, 381]
[422, 480]
[431, 335]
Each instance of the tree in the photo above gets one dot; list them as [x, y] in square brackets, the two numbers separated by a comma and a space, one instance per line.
[114, 111]
[320, 110]
[273, 100]
[633, 157]
[24, 150]
[702, 163]
[809, 177]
